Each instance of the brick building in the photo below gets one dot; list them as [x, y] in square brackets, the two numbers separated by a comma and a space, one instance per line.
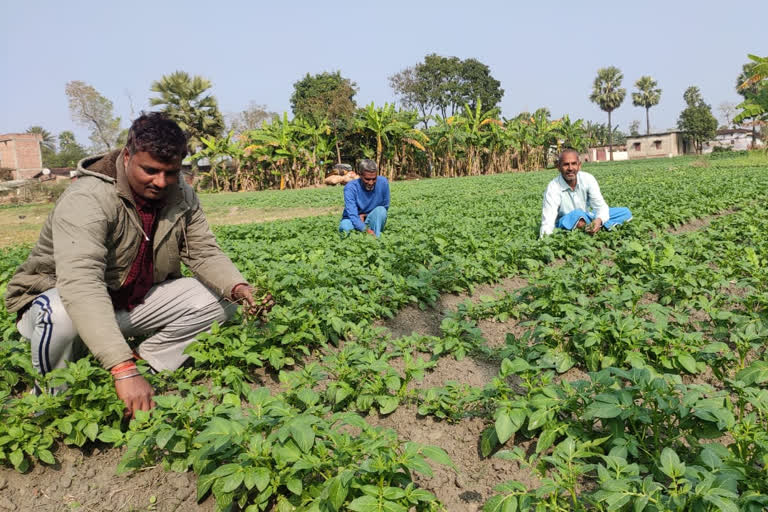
[655, 145]
[20, 152]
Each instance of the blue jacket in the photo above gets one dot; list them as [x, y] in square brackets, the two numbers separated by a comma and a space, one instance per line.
[357, 200]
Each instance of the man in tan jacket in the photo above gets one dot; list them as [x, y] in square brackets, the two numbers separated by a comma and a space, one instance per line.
[107, 266]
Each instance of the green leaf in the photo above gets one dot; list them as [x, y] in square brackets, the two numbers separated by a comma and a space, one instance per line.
[438, 455]
[723, 504]
[670, 463]
[512, 367]
[204, 483]
[687, 361]
[504, 427]
[546, 439]
[640, 503]
[91, 430]
[421, 495]
[387, 404]
[294, 485]
[16, 457]
[391, 506]
[393, 493]
[46, 456]
[756, 373]
[303, 434]
[364, 504]
[488, 441]
[232, 481]
[164, 436]
[337, 492]
[110, 435]
[501, 504]
[258, 477]
[418, 464]
[538, 418]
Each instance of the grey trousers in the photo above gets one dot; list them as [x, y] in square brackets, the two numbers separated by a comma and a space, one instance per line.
[173, 313]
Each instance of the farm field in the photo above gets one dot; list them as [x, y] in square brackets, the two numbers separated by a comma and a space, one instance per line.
[457, 363]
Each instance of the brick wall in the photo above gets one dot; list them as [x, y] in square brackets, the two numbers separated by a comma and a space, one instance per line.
[21, 152]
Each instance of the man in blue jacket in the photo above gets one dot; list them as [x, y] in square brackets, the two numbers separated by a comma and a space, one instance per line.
[366, 201]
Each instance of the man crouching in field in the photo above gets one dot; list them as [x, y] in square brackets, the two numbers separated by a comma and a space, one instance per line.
[107, 266]
[366, 201]
[567, 197]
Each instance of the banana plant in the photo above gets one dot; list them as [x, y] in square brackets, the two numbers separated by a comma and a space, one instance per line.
[476, 131]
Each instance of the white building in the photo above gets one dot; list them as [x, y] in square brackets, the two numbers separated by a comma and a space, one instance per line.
[738, 139]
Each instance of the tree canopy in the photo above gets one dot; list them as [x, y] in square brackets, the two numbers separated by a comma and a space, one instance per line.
[89, 108]
[647, 96]
[445, 84]
[697, 122]
[251, 118]
[328, 96]
[608, 94]
[186, 99]
[752, 84]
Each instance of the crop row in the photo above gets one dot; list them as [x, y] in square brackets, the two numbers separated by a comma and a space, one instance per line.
[586, 313]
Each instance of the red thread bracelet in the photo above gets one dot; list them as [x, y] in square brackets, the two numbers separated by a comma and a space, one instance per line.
[121, 367]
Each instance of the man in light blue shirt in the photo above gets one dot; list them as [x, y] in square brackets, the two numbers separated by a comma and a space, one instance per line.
[366, 201]
[568, 197]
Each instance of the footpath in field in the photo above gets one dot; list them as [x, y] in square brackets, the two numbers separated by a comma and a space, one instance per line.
[631, 369]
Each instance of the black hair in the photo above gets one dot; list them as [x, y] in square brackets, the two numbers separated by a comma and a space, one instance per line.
[158, 135]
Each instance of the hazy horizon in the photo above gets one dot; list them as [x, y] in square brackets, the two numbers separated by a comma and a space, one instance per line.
[253, 52]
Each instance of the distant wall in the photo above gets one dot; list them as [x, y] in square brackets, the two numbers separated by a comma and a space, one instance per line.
[602, 154]
[21, 152]
[655, 145]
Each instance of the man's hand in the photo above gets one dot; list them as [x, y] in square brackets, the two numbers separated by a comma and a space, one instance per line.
[595, 226]
[363, 216]
[370, 232]
[243, 294]
[135, 392]
[580, 224]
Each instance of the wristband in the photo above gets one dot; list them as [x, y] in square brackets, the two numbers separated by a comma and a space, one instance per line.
[121, 367]
[127, 376]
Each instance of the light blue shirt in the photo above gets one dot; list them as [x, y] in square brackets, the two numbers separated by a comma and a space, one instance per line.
[560, 199]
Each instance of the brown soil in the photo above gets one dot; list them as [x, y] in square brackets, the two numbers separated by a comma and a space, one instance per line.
[697, 224]
[472, 484]
[87, 482]
[426, 321]
[468, 371]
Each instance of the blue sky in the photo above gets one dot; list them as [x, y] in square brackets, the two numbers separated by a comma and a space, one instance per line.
[544, 53]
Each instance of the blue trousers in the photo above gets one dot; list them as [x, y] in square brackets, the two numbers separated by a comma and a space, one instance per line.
[376, 220]
[618, 215]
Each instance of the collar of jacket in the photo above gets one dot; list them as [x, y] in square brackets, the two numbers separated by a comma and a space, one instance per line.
[564, 186]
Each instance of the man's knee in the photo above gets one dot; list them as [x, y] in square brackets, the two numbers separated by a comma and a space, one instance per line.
[379, 211]
[201, 300]
[346, 226]
[52, 335]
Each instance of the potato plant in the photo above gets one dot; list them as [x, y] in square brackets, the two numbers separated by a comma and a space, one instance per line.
[667, 328]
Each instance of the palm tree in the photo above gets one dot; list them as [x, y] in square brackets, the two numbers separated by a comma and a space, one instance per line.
[608, 94]
[185, 102]
[647, 96]
[747, 87]
[48, 141]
